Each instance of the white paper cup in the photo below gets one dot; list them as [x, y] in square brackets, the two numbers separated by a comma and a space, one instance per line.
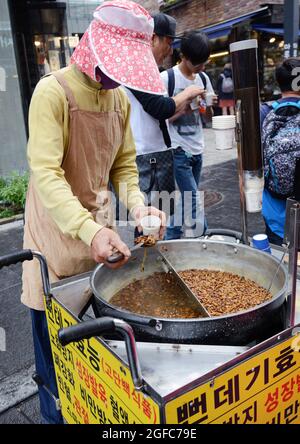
[254, 200]
[224, 138]
[195, 104]
[151, 225]
[209, 98]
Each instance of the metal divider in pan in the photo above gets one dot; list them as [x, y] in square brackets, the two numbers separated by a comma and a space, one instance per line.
[190, 294]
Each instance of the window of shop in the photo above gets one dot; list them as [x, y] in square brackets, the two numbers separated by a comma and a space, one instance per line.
[12, 127]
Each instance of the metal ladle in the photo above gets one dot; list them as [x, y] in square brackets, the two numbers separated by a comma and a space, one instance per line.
[285, 251]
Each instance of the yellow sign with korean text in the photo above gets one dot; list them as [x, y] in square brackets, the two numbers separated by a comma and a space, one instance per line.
[264, 389]
[94, 386]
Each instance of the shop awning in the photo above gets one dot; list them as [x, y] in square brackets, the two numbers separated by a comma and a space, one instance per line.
[224, 28]
[271, 30]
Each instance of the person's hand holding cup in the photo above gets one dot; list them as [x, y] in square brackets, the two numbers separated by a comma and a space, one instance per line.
[211, 99]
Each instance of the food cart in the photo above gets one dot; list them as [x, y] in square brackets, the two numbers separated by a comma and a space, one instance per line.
[116, 367]
[105, 376]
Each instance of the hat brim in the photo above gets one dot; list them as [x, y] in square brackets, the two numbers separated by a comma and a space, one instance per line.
[126, 60]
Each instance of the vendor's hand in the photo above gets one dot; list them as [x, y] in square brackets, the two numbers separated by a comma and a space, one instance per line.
[105, 243]
[139, 212]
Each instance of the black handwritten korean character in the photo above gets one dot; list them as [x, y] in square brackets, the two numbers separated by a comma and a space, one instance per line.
[250, 414]
[126, 387]
[60, 383]
[272, 401]
[291, 412]
[58, 317]
[92, 406]
[70, 357]
[254, 373]
[83, 394]
[68, 392]
[227, 394]
[93, 357]
[192, 408]
[115, 408]
[124, 416]
[285, 361]
[71, 378]
[63, 369]
[235, 419]
[65, 354]
[276, 419]
[81, 348]
[50, 312]
[56, 359]
[117, 378]
[101, 416]
[66, 323]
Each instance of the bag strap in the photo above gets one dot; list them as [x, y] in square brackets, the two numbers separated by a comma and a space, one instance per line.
[203, 78]
[277, 105]
[171, 81]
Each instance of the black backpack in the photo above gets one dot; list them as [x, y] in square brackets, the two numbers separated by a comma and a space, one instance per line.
[281, 147]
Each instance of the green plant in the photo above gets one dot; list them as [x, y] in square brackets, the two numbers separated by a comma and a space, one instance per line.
[6, 213]
[13, 191]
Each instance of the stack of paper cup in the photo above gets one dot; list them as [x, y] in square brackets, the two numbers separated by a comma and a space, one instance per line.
[254, 187]
[224, 127]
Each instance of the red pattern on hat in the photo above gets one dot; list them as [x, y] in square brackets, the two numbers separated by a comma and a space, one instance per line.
[123, 54]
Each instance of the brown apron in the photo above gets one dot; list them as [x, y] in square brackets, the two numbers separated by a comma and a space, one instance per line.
[94, 140]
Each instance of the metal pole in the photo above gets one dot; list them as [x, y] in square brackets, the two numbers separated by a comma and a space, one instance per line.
[239, 129]
[293, 259]
[291, 28]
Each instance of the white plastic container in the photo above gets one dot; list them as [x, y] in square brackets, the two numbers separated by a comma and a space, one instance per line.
[224, 128]
[254, 187]
[151, 225]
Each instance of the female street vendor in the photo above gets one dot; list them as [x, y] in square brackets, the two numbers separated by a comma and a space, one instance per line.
[79, 141]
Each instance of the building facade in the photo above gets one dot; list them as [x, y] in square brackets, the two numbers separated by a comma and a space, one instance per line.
[38, 36]
[227, 21]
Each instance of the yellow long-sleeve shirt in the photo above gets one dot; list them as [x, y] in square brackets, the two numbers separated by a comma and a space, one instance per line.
[48, 143]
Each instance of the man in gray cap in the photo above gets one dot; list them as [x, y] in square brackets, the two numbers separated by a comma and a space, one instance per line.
[149, 115]
[163, 37]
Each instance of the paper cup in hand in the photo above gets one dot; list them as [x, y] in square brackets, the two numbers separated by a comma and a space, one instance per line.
[151, 225]
[209, 99]
[195, 103]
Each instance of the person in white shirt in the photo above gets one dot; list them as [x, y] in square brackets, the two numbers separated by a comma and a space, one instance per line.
[186, 132]
[148, 119]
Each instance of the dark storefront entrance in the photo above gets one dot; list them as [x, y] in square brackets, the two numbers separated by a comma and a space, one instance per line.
[41, 41]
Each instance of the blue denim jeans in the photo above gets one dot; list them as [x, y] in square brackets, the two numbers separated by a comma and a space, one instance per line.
[45, 368]
[187, 170]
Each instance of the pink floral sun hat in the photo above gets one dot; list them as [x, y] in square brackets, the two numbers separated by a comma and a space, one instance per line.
[118, 41]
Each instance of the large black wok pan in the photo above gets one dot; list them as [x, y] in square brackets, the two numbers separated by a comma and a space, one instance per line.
[242, 328]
